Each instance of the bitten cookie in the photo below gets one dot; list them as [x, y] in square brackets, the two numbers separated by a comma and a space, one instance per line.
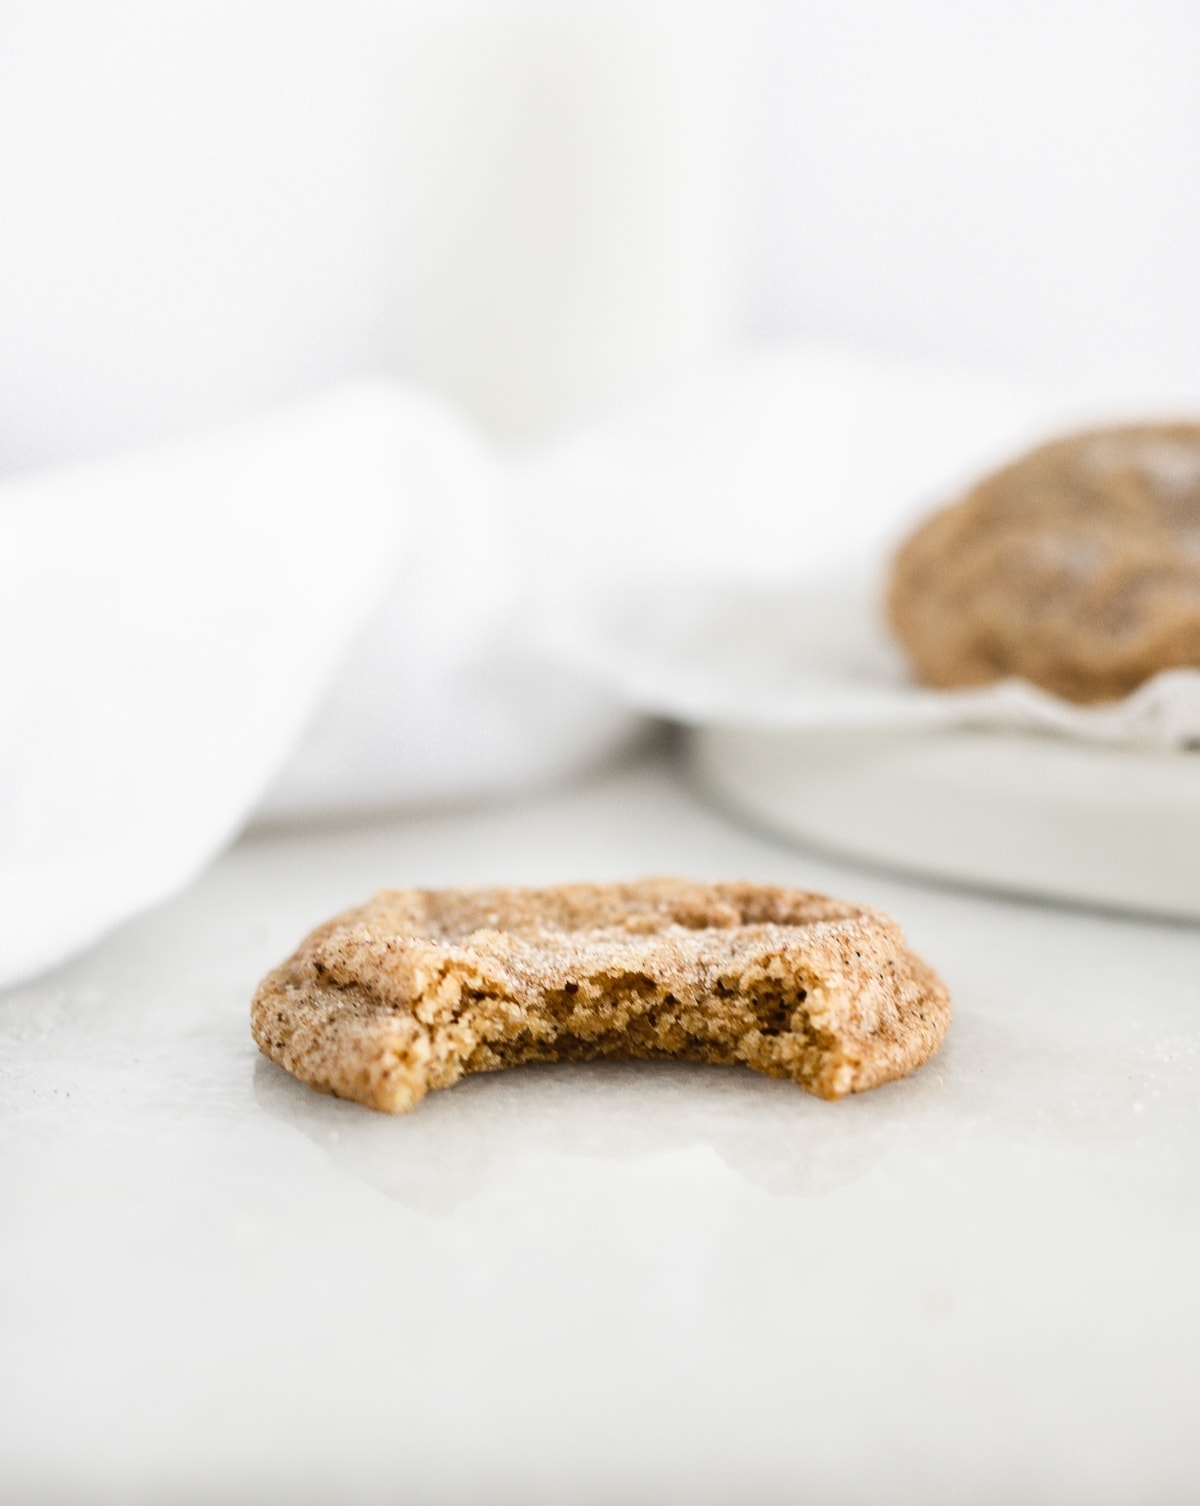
[417, 987]
[1077, 567]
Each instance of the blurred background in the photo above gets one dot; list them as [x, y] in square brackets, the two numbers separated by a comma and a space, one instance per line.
[675, 305]
[209, 207]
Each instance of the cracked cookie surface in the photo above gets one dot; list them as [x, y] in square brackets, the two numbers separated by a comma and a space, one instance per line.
[414, 989]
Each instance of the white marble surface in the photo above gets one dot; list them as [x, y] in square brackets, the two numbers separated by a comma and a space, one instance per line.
[639, 1283]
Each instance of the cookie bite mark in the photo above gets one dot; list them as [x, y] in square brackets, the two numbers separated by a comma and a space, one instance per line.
[419, 987]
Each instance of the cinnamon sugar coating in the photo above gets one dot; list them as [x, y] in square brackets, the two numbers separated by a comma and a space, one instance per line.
[1076, 568]
[414, 989]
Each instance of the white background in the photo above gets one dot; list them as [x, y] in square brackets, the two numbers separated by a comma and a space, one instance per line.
[206, 207]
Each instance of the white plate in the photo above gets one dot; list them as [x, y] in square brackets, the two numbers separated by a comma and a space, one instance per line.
[1038, 815]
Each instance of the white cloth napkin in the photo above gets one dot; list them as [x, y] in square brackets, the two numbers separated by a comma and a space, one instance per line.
[315, 604]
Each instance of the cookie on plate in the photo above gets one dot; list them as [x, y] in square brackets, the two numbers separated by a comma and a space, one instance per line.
[417, 987]
[1077, 568]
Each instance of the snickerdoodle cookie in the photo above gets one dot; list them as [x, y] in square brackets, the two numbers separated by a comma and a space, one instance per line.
[1077, 568]
[418, 987]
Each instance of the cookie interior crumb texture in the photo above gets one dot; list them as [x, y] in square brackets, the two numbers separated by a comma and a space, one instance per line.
[1076, 568]
[417, 987]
